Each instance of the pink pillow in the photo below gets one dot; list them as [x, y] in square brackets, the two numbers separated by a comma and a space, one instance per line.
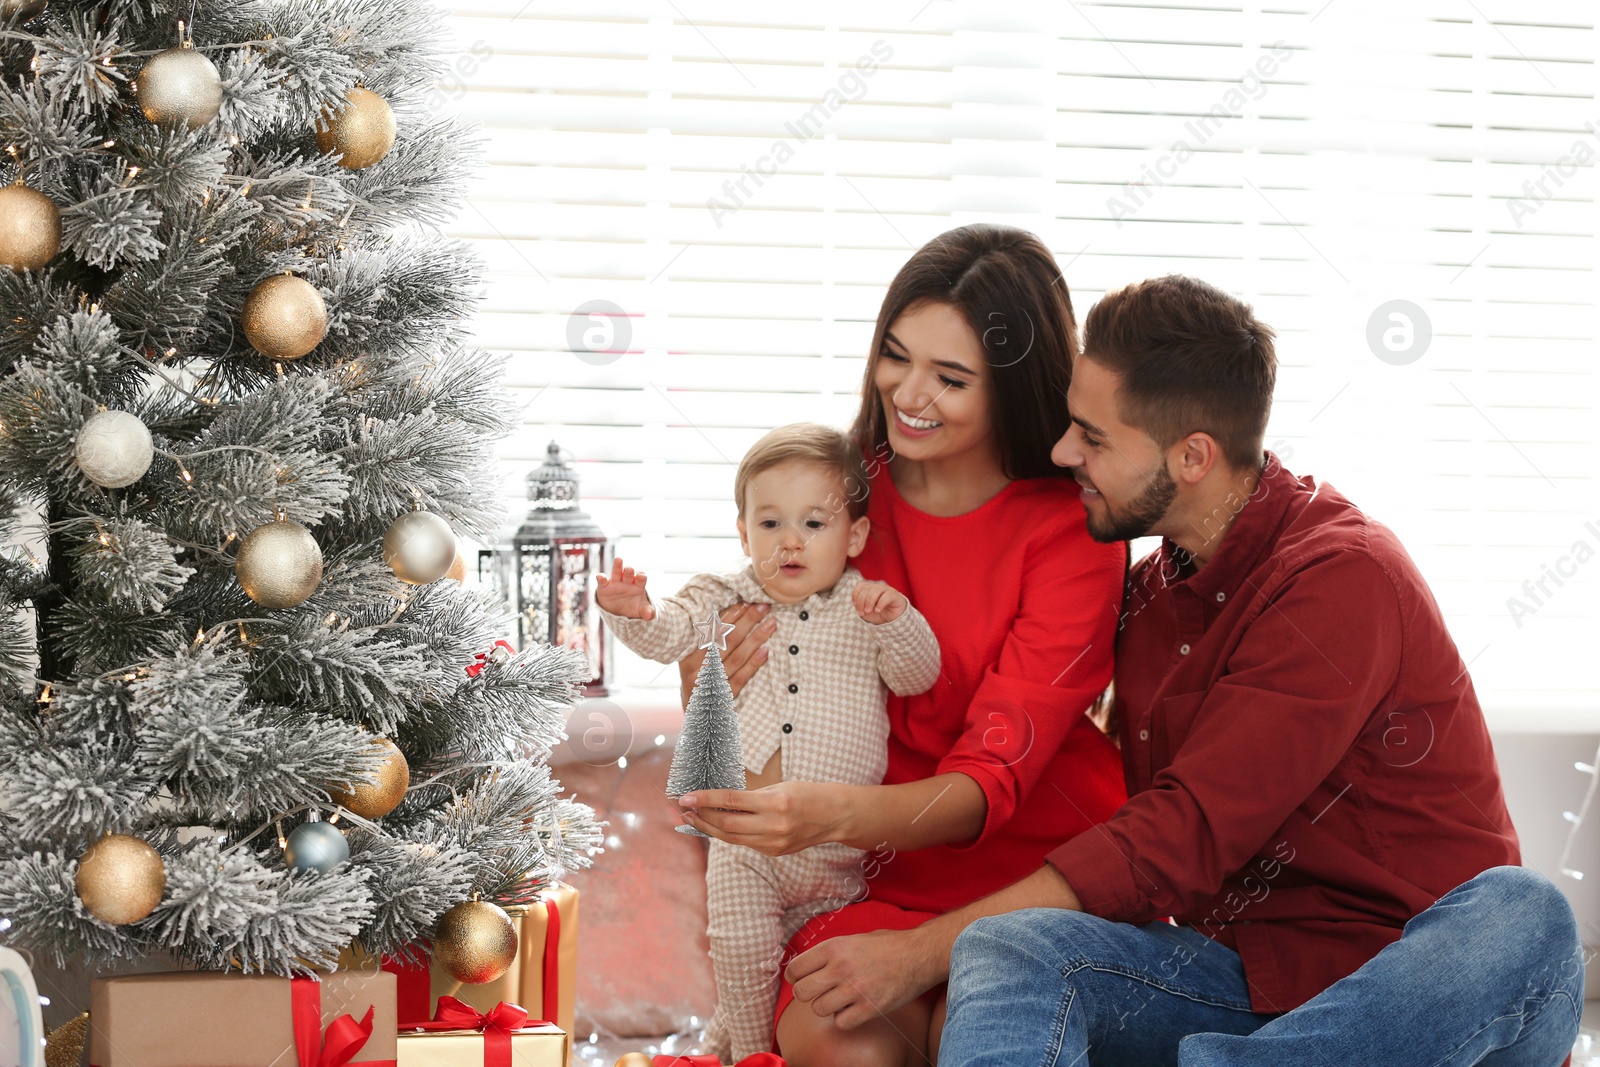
[643, 963]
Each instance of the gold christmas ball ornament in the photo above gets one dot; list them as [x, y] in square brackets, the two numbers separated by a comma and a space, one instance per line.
[375, 800]
[285, 317]
[634, 1059]
[362, 130]
[279, 565]
[179, 87]
[420, 547]
[114, 449]
[475, 941]
[458, 569]
[120, 879]
[19, 10]
[30, 228]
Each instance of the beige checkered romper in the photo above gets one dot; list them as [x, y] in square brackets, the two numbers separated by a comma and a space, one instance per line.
[820, 701]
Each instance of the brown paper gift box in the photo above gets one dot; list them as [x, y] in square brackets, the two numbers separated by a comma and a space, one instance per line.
[543, 1046]
[205, 1019]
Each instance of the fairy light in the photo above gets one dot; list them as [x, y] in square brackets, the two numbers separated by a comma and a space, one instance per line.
[44, 697]
[283, 842]
[1576, 818]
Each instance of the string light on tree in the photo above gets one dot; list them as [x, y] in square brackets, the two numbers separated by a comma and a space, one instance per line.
[475, 941]
[361, 130]
[376, 799]
[114, 449]
[420, 547]
[284, 317]
[120, 879]
[179, 87]
[279, 564]
[30, 227]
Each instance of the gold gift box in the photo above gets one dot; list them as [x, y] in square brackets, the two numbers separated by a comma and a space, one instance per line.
[524, 983]
[535, 1046]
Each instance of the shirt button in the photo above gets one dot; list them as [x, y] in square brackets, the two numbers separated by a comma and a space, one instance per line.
[1184, 649]
[1221, 597]
[794, 650]
[804, 615]
[788, 727]
[793, 688]
[1144, 735]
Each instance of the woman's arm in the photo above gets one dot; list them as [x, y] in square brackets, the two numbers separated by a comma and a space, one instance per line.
[745, 652]
[946, 809]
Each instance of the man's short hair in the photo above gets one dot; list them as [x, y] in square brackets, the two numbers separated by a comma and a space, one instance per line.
[1190, 358]
[808, 442]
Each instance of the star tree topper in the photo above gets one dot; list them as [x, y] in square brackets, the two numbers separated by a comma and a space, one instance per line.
[713, 632]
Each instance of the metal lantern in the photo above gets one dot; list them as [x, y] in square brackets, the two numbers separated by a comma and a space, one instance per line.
[547, 571]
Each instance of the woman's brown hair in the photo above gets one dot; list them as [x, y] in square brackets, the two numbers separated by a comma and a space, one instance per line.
[1006, 284]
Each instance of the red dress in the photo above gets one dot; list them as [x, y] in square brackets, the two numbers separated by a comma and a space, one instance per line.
[1025, 606]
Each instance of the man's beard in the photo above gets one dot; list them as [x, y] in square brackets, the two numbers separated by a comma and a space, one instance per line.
[1141, 515]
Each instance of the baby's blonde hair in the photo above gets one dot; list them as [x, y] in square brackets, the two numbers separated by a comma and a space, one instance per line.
[809, 442]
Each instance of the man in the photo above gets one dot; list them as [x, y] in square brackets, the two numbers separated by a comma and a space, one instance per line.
[1308, 769]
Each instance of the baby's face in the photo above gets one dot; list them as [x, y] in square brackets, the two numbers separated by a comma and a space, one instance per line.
[797, 530]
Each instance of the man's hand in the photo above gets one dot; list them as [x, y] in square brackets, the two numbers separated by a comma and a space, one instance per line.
[623, 592]
[878, 602]
[858, 977]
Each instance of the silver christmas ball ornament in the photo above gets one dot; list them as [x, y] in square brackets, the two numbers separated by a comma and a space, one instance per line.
[279, 565]
[420, 547]
[114, 449]
[180, 87]
[316, 846]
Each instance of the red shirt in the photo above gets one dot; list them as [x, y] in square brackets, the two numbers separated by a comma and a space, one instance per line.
[1308, 764]
[1025, 606]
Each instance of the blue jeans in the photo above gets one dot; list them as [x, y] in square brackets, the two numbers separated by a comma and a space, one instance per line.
[1491, 974]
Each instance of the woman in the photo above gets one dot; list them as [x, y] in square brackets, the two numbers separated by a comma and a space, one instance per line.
[965, 394]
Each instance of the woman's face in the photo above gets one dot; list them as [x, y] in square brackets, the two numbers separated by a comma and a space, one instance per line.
[934, 383]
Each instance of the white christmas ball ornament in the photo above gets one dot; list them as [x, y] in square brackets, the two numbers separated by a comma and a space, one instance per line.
[420, 547]
[180, 87]
[279, 564]
[114, 449]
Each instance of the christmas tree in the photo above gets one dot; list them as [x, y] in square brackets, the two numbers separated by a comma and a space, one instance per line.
[240, 431]
[708, 754]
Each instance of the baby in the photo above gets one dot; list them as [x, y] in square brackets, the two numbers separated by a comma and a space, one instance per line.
[814, 713]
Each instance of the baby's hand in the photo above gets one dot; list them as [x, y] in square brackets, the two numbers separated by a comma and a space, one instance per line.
[623, 593]
[878, 602]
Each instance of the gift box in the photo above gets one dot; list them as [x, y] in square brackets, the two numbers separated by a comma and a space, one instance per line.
[202, 1019]
[461, 1036]
[543, 978]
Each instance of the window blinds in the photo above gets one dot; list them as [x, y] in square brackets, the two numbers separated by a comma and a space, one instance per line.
[692, 209]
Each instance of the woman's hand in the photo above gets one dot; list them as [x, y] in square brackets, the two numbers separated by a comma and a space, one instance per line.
[858, 977]
[775, 821]
[752, 625]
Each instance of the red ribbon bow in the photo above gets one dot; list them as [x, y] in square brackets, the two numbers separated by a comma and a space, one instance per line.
[345, 1036]
[757, 1059]
[497, 1024]
[482, 658]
